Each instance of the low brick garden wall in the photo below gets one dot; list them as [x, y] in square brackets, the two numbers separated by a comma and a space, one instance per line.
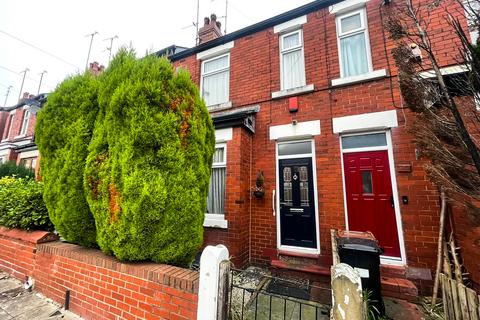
[100, 286]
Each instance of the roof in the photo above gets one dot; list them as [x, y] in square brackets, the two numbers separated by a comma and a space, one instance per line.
[236, 117]
[37, 101]
[169, 51]
[254, 28]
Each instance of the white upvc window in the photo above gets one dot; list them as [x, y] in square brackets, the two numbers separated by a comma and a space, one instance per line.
[353, 43]
[26, 119]
[215, 80]
[216, 192]
[292, 60]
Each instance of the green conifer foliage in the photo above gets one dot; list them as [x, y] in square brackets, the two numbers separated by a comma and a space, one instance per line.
[62, 134]
[149, 162]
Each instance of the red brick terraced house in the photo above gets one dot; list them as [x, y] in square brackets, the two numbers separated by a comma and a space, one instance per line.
[310, 99]
[17, 125]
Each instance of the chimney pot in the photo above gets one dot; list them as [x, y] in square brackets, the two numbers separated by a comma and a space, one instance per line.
[213, 17]
[25, 95]
[206, 21]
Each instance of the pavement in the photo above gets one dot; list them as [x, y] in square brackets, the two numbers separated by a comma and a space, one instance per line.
[20, 304]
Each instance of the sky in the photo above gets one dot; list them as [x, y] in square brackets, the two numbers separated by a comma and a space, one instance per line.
[53, 35]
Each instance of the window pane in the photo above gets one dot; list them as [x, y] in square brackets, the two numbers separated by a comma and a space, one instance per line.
[294, 148]
[367, 181]
[287, 186]
[351, 23]
[293, 70]
[366, 140]
[216, 192]
[290, 41]
[354, 55]
[215, 64]
[26, 116]
[215, 88]
[218, 156]
[303, 171]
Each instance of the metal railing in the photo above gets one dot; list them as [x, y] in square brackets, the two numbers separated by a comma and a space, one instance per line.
[258, 298]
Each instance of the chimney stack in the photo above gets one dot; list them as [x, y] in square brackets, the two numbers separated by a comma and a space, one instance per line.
[96, 68]
[210, 30]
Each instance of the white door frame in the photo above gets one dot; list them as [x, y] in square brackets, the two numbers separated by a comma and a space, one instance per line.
[277, 200]
[387, 260]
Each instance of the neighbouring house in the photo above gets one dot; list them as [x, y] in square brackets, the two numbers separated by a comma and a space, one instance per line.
[309, 99]
[17, 125]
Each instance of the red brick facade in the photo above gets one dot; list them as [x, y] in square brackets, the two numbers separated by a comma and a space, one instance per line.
[100, 286]
[251, 235]
[15, 146]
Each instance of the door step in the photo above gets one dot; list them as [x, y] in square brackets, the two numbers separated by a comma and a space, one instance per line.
[399, 288]
[301, 266]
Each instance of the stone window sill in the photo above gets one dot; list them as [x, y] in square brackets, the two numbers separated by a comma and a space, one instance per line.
[293, 91]
[377, 74]
[215, 221]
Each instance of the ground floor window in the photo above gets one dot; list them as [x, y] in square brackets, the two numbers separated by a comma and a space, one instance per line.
[216, 192]
[30, 163]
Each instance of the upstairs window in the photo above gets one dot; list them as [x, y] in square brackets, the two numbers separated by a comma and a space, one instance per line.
[353, 43]
[292, 61]
[216, 192]
[215, 80]
[26, 119]
[8, 128]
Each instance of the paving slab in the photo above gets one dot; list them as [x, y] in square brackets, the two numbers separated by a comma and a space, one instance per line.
[16, 303]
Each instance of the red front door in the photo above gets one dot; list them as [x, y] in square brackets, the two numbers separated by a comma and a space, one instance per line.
[370, 203]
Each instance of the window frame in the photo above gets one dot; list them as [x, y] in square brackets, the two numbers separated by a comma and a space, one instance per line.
[284, 51]
[9, 125]
[203, 75]
[342, 35]
[25, 122]
[220, 165]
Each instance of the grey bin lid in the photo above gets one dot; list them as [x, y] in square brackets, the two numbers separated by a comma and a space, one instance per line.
[359, 244]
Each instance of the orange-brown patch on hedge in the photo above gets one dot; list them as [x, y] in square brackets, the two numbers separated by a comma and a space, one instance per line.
[114, 198]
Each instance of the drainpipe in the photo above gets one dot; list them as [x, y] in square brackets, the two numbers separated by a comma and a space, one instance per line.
[250, 203]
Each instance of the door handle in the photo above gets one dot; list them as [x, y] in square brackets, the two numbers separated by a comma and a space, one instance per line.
[391, 201]
[273, 202]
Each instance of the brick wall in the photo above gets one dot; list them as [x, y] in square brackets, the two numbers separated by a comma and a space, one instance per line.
[18, 248]
[466, 227]
[100, 286]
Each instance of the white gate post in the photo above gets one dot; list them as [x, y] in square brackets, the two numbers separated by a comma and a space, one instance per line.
[209, 277]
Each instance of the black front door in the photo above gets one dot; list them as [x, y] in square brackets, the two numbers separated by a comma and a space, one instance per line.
[297, 206]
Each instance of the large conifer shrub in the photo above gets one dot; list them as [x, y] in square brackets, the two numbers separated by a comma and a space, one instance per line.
[149, 162]
[62, 134]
